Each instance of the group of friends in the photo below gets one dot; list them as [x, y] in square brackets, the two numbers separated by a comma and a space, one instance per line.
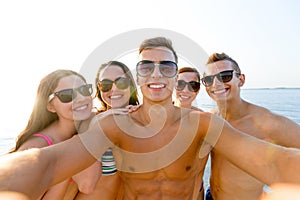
[154, 150]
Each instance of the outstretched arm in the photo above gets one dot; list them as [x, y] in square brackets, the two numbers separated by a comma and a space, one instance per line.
[267, 162]
[32, 171]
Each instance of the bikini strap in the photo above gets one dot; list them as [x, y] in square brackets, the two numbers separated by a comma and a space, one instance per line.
[48, 140]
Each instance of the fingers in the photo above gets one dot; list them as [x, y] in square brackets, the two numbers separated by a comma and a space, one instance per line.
[132, 108]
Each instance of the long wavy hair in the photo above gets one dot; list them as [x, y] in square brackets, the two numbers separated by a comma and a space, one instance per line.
[133, 100]
[40, 117]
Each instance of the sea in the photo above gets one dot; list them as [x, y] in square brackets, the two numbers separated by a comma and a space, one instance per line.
[283, 101]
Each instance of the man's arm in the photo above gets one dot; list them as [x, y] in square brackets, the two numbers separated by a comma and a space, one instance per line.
[32, 171]
[283, 131]
[24, 171]
[267, 162]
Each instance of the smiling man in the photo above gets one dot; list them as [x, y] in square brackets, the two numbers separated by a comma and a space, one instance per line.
[223, 81]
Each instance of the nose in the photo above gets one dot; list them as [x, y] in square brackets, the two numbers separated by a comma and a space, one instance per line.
[113, 87]
[156, 72]
[186, 87]
[77, 96]
[216, 81]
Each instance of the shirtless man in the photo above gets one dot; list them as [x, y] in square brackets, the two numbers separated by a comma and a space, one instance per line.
[156, 147]
[227, 181]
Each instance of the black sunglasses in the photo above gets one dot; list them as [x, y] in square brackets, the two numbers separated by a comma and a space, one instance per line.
[121, 83]
[193, 86]
[67, 95]
[146, 67]
[224, 77]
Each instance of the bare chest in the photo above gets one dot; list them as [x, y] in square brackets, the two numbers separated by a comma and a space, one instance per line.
[173, 147]
[172, 182]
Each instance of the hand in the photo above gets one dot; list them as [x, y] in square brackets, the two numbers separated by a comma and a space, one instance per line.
[132, 108]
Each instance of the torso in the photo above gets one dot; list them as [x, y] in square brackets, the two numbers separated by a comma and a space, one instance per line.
[230, 182]
[163, 165]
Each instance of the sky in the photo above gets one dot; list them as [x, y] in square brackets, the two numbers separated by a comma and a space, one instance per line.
[38, 37]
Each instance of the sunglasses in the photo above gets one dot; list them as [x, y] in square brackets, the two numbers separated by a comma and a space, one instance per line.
[67, 95]
[121, 83]
[224, 77]
[193, 86]
[146, 67]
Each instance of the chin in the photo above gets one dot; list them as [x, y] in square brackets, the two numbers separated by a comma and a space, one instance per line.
[81, 116]
[119, 104]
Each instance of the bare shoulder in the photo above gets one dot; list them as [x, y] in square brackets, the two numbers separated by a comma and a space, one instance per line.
[258, 110]
[109, 122]
[267, 118]
[34, 142]
[200, 113]
[276, 128]
[205, 120]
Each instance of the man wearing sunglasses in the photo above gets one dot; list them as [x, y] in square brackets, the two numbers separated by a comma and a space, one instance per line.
[156, 148]
[223, 81]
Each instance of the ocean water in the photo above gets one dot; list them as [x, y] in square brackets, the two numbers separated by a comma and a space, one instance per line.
[285, 102]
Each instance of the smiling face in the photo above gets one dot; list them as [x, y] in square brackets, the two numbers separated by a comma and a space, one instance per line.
[115, 97]
[185, 96]
[223, 91]
[156, 87]
[79, 108]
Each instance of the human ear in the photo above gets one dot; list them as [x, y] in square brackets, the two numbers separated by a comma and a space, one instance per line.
[176, 78]
[138, 80]
[51, 108]
[242, 80]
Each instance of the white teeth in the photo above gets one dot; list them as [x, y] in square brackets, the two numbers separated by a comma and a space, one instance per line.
[115, 96]
[184, 97]
[81, 108]
[219, 91]
[157, 86]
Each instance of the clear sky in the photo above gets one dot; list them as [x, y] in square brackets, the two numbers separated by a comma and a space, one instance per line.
[38, 37]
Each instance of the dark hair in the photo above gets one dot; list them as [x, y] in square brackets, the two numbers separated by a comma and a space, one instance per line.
[158, 42]
[190, 69]
[133, 100]
[40, 116]
[219, 57]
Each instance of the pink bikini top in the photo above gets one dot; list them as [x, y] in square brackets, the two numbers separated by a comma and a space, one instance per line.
[48, 140]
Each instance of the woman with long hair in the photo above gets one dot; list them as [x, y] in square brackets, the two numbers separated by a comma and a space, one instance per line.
[62, 97]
